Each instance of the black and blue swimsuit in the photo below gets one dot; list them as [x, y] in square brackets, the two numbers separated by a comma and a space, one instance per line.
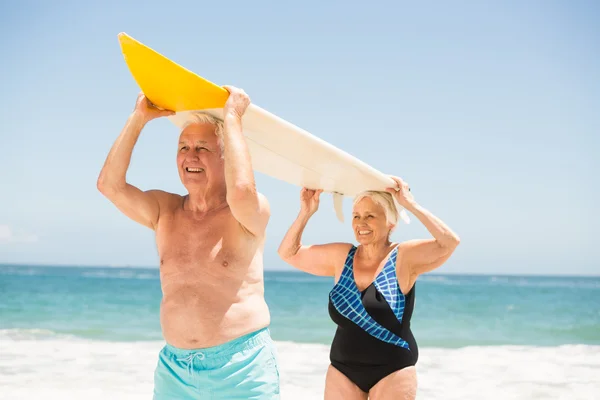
[373, 337]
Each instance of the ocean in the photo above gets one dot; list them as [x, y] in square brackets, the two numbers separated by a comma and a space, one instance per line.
[92, 332]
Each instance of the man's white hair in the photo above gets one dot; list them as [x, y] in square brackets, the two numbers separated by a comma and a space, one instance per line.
[200, 117]
[385, 200]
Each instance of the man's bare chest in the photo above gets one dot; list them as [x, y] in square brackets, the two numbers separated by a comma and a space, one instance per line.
[182, 238]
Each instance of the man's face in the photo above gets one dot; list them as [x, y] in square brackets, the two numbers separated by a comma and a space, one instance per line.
[199, 157]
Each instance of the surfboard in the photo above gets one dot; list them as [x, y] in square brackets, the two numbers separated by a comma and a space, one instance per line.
[278, 148]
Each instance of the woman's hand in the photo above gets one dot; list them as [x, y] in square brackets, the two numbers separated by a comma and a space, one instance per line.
[309, 201]
[402, 193]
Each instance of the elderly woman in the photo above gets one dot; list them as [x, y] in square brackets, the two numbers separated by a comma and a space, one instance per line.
[373, 353]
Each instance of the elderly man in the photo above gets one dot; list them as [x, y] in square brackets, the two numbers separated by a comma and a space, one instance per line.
[210, 243]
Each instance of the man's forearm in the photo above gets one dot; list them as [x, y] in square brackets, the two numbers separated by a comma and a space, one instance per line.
[239, 176]
[117, 162]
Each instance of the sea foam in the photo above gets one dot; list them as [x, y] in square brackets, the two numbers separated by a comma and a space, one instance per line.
[41, 364]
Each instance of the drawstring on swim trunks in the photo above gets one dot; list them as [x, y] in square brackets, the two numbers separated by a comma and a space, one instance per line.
[190, 360]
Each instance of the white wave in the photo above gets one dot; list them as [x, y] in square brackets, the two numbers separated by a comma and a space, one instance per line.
[123, 274]
[514, 281]
[297, 278]
[446, 280]
[20, 271]
[27, 334]
[70, 368]
[435, 278]
[568, 283]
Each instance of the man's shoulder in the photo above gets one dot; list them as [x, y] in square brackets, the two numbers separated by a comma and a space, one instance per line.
[164, 198]
[264, 202]
[262, 197]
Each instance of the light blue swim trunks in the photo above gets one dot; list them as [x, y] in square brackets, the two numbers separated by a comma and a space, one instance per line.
[244, 368]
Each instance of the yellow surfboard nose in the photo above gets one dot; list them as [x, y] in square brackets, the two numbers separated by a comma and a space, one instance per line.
[167, 84]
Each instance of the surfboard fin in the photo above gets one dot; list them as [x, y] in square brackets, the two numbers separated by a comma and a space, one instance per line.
[338, 202]
[403, 214]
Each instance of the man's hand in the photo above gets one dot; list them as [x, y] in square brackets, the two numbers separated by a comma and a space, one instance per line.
[237, 102]
[148, 111]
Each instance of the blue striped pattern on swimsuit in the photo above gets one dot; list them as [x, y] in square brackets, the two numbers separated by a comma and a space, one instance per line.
[347, 300]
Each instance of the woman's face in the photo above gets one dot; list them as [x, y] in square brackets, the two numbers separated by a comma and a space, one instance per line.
[369, 222]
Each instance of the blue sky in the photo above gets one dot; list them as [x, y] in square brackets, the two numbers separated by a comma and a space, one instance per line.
[490, 110]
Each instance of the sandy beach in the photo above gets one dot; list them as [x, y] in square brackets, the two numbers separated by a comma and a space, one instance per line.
[40, 364]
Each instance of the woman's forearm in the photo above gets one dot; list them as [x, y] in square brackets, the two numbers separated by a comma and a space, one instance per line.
[438, 229]
[292, 241]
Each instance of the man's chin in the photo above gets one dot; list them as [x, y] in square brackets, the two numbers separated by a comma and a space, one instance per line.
[193, 181]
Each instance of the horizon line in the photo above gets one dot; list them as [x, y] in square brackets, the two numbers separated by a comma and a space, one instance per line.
[293, 270]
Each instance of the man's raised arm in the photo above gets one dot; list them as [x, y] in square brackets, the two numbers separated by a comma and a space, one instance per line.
[141, 206]
[249, 207]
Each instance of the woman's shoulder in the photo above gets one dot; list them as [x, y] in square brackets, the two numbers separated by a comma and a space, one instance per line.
[338, 252]
[340, 247]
